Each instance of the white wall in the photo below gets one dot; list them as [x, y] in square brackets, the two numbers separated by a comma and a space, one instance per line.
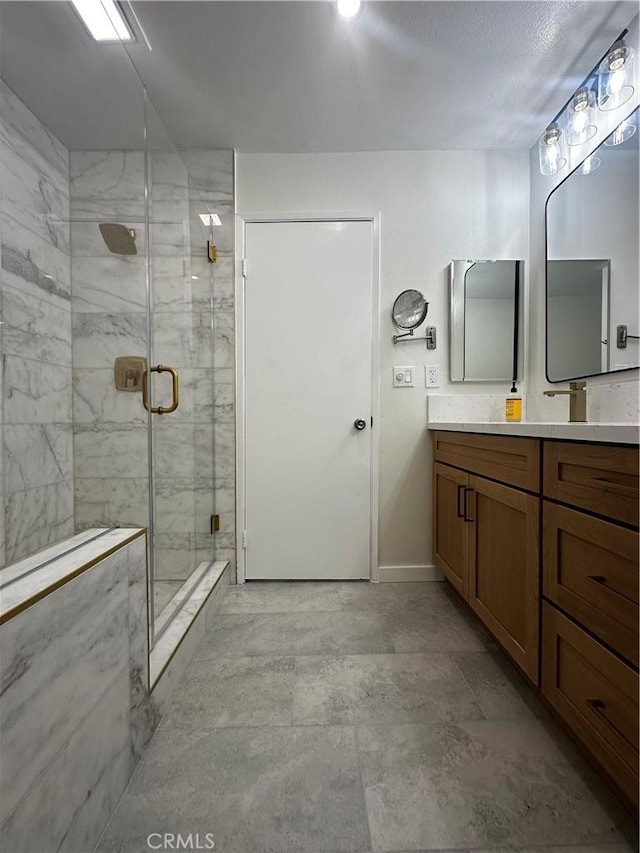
[435, 206]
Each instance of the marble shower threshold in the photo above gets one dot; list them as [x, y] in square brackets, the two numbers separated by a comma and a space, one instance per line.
[178, 616]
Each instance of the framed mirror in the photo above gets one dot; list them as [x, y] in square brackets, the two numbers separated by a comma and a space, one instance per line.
[484, 299]
[592, 275]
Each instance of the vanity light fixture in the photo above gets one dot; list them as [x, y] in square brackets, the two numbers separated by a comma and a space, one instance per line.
[551, 150]
[615, 76]
[349, 9]
[623, 131]
[589, 165]
[104, 20]
[582, 124]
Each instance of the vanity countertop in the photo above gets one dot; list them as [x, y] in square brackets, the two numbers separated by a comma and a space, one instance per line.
[608, 432]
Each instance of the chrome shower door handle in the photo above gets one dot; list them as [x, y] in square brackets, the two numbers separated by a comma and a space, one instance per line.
[161, 410]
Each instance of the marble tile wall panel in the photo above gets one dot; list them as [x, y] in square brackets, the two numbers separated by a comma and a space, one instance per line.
[36, 329]
[36, 518]
[114, 284]
[36, 340]
[59, 657]
[106, 450]
[111, 502]
[32, 388]
[144, 716]
[76, 710]
[70, 802]
[32, 264]
[98, 339]
[107, 183]
[36, 455]
[96, 400]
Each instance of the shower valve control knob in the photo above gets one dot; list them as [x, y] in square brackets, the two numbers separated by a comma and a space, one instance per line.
[359, 423]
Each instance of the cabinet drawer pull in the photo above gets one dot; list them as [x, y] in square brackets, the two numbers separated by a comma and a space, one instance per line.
[598, 707]
[459, 512]
[597, 578]
[466, 506]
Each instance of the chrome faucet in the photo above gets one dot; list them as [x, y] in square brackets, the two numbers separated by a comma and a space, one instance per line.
[577, 401]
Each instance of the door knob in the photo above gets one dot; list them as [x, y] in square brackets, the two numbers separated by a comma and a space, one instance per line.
[359, 423]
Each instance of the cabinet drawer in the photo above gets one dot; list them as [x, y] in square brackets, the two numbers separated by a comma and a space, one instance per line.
[515, 461]
[591, 571]
[596, 477]
[596, 693]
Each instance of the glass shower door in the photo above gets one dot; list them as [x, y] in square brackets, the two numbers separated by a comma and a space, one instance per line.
[180, 388]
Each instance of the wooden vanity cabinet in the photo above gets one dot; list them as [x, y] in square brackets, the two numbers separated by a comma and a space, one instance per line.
[541, 539]
[486, 534]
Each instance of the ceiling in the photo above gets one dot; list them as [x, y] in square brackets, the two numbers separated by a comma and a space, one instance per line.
[293, 77]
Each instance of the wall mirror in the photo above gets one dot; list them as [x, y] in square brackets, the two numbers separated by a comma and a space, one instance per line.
[592, 282]
[484, 309]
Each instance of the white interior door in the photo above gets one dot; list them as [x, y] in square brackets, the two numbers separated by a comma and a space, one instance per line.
[308, 300]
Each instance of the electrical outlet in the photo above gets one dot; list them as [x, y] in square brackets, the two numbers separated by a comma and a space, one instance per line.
[432, 375]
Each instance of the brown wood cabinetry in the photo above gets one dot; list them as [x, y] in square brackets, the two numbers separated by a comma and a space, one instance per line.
[534, 532]
[504, 567]
[595, 693]
[486, 534]
[450, 527]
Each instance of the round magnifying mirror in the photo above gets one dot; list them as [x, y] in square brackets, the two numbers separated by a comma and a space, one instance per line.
[409, 309]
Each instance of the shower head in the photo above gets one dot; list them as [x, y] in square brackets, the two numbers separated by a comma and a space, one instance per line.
[119, 239]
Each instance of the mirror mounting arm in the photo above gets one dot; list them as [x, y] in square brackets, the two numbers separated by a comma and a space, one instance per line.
[430, 337]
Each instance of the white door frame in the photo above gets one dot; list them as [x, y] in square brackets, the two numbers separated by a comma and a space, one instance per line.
[243, 219]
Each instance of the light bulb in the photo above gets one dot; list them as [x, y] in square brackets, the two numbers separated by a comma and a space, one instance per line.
[550, 150]
[623, 131]
[348, 8]
[590, 165]
[615, 76]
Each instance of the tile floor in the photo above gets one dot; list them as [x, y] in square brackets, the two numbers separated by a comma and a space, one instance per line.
[326, 717]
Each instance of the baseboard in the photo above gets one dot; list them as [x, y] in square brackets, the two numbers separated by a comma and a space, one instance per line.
[408, 574]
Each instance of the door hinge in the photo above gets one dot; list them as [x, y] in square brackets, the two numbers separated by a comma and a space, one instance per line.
[244, 267]
[244, 540]
[215, 523]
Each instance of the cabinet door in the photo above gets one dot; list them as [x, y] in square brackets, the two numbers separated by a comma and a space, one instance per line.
[504, 574]
[450, 532]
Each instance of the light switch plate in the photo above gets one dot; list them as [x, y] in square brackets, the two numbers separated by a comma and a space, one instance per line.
[404, 377]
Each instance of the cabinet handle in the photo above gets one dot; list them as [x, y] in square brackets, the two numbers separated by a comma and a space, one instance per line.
[466, 506]
[459, 512]
[597, 578]
[598, 707]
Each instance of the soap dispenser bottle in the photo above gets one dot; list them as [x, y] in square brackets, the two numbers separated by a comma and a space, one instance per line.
[513, 406]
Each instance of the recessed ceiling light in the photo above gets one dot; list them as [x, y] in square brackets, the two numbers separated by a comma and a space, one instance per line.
[210, 219]
[103, 19]
[349, 8]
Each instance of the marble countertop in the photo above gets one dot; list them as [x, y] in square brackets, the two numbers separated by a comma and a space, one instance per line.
[35, 576]
[608, 432]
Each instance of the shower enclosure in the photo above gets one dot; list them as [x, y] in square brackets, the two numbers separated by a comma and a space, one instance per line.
[116, 335]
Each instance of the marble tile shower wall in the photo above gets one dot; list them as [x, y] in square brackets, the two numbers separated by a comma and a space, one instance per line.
[37, 448]
[109, 320]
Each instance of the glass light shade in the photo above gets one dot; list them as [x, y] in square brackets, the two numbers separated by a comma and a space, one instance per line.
[623, 131]
[551, 150]
[589, 165]
[349, 8]
[582, 117]
[616, 77]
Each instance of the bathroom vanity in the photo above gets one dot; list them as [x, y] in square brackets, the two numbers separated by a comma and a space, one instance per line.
[539, 535]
